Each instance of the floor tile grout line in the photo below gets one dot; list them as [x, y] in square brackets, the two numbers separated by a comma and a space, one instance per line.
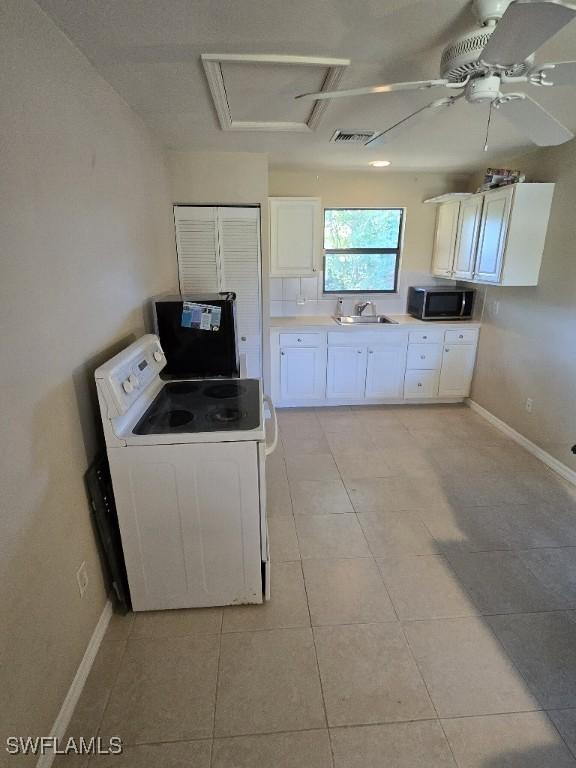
[216, 687]
[324, 705]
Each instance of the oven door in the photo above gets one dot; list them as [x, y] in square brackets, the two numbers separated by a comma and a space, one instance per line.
[439, 305]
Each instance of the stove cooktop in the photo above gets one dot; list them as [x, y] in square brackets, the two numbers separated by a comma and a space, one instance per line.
[204, 405]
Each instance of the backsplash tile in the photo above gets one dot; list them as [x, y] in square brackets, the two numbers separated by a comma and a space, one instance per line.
[301, 296]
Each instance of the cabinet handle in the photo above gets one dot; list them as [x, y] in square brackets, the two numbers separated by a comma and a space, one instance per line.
[359, 351]
[446, 349]
[242, 338]
[461, 336]
[422, 357]
[424, 337]
[299, 339]
[370, 351]
[282, 353]
[419, 384]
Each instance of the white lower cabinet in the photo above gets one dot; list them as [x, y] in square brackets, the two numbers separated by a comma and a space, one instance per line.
[346, 372]
[302, 373]
[385, 371]
[356, 366]
[421, 384]
[457, 369]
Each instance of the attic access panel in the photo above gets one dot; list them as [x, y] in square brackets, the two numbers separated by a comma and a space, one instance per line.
[246, 89]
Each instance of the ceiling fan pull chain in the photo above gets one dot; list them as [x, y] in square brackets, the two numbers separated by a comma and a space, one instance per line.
[488, 126]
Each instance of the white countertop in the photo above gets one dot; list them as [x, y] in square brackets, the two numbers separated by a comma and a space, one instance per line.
[326, 321]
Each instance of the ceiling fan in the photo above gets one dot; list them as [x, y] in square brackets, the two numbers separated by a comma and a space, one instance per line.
[476, 65]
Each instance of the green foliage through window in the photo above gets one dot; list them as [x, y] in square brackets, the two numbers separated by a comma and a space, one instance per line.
[362, 249]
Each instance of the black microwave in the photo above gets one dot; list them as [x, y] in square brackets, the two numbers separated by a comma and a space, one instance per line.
[437, 303]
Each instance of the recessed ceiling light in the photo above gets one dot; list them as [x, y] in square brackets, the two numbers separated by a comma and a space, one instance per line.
[380, 163]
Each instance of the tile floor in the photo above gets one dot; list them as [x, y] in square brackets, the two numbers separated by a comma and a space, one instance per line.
[423, 613]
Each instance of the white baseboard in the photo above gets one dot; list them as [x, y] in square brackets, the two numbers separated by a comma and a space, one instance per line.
[535, 450]
[69, 704]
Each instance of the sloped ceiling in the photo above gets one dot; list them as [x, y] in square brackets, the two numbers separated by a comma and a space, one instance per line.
[149, 51]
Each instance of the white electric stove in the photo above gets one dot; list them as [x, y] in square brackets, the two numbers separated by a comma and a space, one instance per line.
[187, 460]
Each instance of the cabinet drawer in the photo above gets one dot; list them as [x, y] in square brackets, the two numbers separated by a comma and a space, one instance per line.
[354, 336]
[424, 356]
[421, 384]
[301, 339]
[426, 337]
[461, 336]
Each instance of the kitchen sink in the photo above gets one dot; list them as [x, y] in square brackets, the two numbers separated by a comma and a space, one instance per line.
[363, 320]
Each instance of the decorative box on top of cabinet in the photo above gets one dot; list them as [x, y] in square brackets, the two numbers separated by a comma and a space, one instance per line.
[494, 237]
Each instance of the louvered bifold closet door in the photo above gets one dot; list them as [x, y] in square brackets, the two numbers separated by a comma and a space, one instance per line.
[239, 237]
[197, 245]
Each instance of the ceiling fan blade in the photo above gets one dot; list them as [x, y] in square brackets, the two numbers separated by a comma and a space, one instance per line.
[524, 27]
[533, 121]
[559, 73]
[414, 119]
[385, 88]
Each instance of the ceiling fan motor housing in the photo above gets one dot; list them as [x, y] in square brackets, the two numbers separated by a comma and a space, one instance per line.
[461, 58]
[483, 89]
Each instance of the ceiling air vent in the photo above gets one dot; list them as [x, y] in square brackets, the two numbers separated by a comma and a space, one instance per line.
[352, 137]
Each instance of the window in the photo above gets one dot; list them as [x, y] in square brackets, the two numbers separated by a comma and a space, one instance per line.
[362, 249]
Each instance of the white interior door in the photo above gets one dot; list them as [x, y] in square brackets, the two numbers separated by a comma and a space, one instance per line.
[385, 371]
[190, 523]
[240, 271]
[346, 372]
[493, 231]
[467, 236]
[457, 369]
[446, 223]
[197, 247]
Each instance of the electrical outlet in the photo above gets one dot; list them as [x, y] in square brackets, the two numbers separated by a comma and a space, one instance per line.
[82, 579]
[529, 404]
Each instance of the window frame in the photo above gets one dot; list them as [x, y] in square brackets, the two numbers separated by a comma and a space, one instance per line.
[397, 250]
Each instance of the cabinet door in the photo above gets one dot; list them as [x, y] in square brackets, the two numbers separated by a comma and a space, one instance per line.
[457, 368]
[302, 373]
[295, 235]
[467, 236]
[346, 375]
[385, 371]
[445, 239]
[493, 231]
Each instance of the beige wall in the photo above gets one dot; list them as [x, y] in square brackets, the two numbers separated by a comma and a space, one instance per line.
[226, 178]
[85, 238]
[528, 349]
[372, 189]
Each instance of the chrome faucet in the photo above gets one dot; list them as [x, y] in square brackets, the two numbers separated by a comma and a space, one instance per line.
[361, 306]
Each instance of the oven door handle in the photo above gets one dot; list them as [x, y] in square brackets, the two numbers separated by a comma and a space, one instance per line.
[272, 447]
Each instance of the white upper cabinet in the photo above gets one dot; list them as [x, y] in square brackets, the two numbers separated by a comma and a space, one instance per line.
[467, 237]
[295, 236]
[493, 230]
[445, 239]
[500, 236]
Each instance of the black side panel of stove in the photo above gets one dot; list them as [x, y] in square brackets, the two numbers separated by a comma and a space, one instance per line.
[191, 353]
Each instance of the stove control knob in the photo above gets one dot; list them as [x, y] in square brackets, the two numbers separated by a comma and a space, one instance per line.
[158, 355]
[134, 380]
[127, 386]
